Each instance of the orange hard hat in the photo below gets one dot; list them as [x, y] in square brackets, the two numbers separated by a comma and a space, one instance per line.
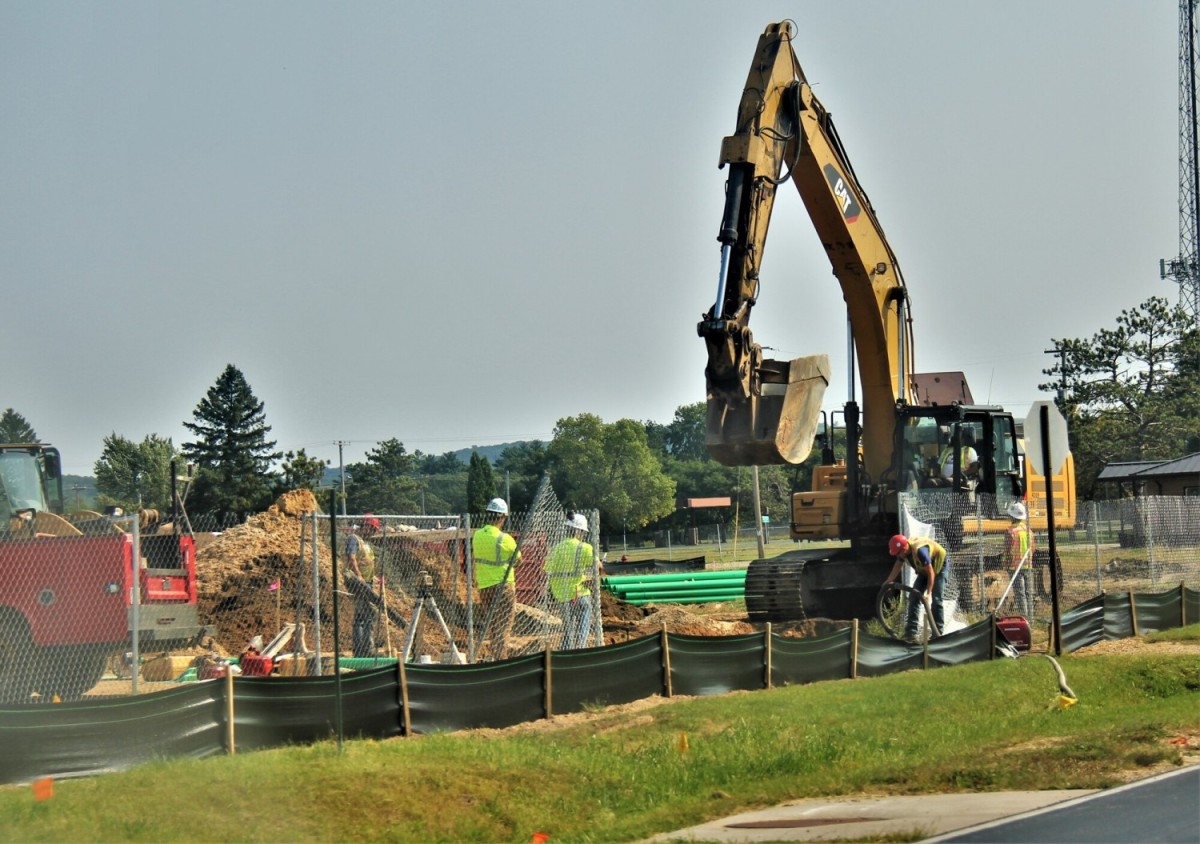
[898, 545]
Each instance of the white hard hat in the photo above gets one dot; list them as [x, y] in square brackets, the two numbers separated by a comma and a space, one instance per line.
[1016, 510]
[498, 505]
[577, 521]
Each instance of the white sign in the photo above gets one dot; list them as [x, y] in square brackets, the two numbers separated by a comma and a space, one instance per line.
[1055, 434]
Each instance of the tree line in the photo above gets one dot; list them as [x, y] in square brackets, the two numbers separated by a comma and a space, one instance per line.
[636, 474]
[1129, 392]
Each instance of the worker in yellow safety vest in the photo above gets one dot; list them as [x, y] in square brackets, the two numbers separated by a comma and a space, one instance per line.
[928, 559]
[495, 557]
[1018, 551]
[569, 569]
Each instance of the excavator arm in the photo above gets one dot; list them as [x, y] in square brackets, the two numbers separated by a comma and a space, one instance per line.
[763, 411]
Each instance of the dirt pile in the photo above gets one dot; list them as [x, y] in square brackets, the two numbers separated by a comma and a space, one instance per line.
[254, 577]
[237, 570]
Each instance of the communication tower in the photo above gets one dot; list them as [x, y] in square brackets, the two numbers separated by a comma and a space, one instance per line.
[1185, 269]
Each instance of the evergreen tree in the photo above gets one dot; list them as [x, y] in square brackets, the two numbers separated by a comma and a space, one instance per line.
[135, 474]
[232, 454]
[299, 471]
[481, 483]
[384, 483]
[14, 428]
[1129, 392]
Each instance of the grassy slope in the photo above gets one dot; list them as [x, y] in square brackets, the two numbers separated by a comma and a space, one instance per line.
[622, 775]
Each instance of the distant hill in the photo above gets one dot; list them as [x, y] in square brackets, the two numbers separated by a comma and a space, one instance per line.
[79, 492]
[491, 452]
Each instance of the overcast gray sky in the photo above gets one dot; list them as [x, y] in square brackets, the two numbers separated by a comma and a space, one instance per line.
[455, 223]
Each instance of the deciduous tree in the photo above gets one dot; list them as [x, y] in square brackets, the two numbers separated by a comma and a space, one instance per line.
[609, 467]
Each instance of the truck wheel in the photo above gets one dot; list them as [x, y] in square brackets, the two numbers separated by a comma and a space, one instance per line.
[72, 670]
[17, 660]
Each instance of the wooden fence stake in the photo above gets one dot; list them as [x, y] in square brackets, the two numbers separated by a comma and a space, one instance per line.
[228, 708]
[854, 650]
[405, 713]
[548, 702]
[666, 649]
[767, 646]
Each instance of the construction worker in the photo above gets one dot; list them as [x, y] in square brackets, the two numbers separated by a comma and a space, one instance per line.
[496, 558]
[928, 559]
[568, 570]
[1018, 553]
[968, 458]
[361, 558]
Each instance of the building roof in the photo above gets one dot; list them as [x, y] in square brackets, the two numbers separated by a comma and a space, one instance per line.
[1123, 471]
[1136, 469]
[1188, 465]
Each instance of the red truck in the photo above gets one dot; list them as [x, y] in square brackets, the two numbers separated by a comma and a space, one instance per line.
[66, 585]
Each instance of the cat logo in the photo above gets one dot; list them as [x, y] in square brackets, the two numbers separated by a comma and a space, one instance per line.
[841, 191]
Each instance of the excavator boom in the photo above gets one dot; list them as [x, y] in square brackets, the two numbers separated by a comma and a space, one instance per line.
[763, 411]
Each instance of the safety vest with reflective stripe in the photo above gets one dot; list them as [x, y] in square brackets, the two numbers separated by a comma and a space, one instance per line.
[567, 568]
[1018, 545]
[937, 554]
[491, 549]
[964, 460]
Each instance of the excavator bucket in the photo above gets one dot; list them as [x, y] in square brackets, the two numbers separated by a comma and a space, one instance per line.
[775, 425]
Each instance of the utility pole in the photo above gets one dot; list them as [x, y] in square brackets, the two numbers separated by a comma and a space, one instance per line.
[1062, 373]
[342, 470]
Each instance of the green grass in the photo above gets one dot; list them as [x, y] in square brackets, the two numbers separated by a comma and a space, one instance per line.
[620, 775]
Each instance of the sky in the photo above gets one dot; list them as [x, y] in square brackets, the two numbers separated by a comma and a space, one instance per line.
[456, 223]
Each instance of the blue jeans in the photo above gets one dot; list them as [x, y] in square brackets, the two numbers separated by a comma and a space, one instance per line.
[911, 623]
[577, 622]
[363, 631]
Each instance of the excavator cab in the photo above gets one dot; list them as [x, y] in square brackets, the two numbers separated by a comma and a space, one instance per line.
[962, 448]
[777, 422]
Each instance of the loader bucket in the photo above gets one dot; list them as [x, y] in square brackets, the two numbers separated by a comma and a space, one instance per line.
[775, 425]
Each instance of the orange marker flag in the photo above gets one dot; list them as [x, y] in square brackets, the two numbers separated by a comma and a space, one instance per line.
[43, 789]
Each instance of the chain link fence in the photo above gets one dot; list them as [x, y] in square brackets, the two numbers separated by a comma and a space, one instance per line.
[82, 597]
[1141, 544]
[405, 587]
[257, 595]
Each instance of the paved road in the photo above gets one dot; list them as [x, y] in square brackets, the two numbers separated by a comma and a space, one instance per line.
[1162, 809]
[1165, 809]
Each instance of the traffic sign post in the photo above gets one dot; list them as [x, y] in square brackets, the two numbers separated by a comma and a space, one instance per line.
[1046, 447]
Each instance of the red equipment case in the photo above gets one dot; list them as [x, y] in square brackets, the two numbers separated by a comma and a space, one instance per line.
[1015, 629]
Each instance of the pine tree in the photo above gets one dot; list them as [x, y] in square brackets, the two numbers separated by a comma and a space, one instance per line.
[383, 483]
[481, 483]
[14, 428]
[232, 453]
[135, 474]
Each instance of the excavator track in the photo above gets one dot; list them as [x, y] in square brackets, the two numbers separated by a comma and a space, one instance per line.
[822, 583]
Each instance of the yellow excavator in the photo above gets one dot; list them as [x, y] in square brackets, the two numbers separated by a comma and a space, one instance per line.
[914, 431]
